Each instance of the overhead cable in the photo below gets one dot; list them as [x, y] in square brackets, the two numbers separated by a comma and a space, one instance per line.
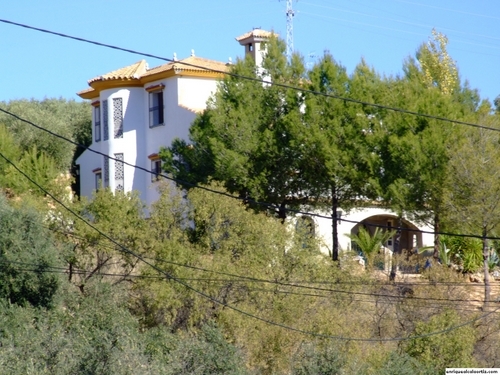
[241, 199]
[168, 276]
[267, 82]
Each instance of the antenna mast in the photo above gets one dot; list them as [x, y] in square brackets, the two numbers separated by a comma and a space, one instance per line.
[289, 28]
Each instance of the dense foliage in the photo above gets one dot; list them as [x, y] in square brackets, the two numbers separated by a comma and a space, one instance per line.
[69, 119]
[219, 289]
[46, 159]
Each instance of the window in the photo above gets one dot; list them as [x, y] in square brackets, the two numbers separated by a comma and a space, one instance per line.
[156, 116]
[98, 178]
[97, 122]
[155, 169]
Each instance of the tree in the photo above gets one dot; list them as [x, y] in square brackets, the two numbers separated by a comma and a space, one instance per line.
[314, 359]
[403, 364]
[370, 244]
[334, 154]
[40, 168]
[274, 144]
[10, 150]
[473, 197]
[82, 334]
[207, 353]
[247, 136]
[415, 150]
[438, 68]
[211, 232]
[454, 349]
[120, 216]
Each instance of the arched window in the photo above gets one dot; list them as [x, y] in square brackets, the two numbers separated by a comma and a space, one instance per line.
[306, 225]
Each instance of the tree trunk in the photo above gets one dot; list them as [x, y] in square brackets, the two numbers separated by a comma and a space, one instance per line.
[486, 257]
[282, 212]
[396, 250]
[335, 238]
[435, 255]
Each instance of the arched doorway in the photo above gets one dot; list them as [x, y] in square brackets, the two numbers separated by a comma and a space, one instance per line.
[411, 237]
[410, 240]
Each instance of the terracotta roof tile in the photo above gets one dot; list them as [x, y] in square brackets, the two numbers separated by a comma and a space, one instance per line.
[139, 70]
[134, 71]
[192, 63]
[87, 90]
[258, 33]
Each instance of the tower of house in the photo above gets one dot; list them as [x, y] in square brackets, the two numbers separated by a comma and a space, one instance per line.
[255, 44]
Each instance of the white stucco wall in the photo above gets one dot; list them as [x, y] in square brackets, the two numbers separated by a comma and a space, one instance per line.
[132, 143]
[183, 98]
[194, 92]
[86, 161]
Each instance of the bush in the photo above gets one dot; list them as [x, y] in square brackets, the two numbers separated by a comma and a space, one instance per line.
[27, 258]
[448, 349]
[468, 251]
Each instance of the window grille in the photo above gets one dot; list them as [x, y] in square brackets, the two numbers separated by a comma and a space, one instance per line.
[106, 171]
[118, 117]
[119, 173]
[105, 120]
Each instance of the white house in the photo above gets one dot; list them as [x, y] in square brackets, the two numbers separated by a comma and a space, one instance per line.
[137, 110]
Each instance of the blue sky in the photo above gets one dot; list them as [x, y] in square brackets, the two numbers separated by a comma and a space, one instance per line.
[383, 32]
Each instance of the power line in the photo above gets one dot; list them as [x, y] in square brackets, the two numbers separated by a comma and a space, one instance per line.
[263, 204]
[182, 182]
[450, 10]
[268, 205]
[294, 283]
[168, 276]
[236, 278]
[267, 82]
[397, 20]
[297, 284]
[44, 268]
